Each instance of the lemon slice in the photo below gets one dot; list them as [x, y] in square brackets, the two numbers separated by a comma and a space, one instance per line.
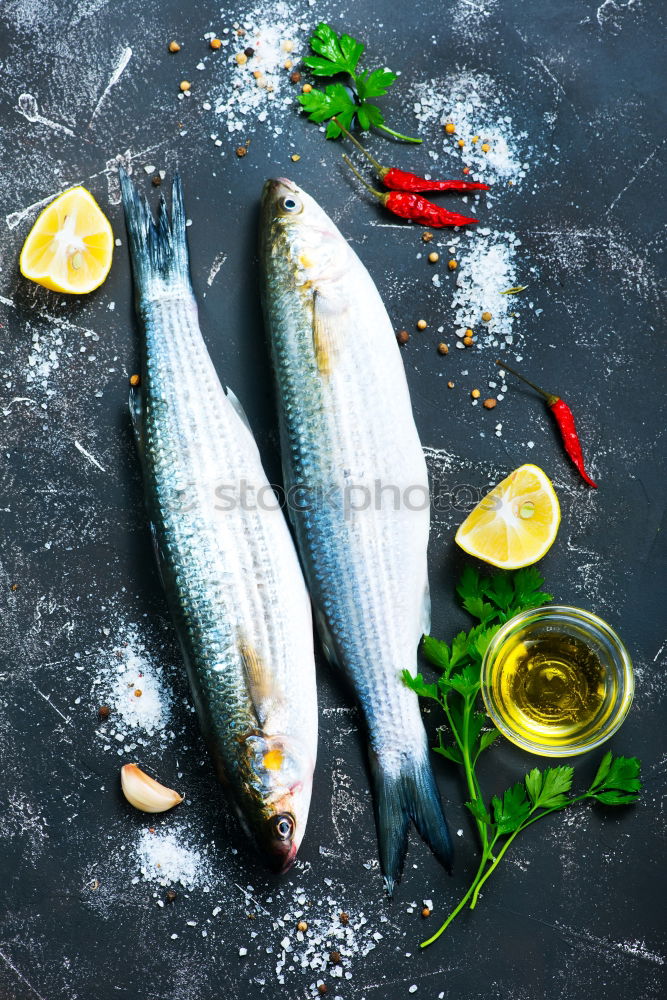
[516, 523]
[69, 249]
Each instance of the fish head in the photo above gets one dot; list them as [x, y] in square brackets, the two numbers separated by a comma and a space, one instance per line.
[278, 781]
[298, 235]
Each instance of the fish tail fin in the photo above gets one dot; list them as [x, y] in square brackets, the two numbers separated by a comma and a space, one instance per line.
[159, 250]
[410, 794]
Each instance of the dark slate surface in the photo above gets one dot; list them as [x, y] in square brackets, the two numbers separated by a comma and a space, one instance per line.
[579, 909]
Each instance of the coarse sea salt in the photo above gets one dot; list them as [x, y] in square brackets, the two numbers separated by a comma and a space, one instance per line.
[475, 105]
[167, 858]
[122, 670]
[277, 34]
[487, 267]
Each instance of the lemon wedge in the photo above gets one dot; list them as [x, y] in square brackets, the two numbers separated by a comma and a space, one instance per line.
[70, 247]
[516, 523]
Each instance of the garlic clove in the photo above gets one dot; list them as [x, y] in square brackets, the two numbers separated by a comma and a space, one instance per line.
[144, 793]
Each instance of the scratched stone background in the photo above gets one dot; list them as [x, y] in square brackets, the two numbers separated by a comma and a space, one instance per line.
[578, 910]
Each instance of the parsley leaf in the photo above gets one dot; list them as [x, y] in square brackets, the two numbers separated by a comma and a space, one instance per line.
[491, 601]
[336, 54]
[617, 781]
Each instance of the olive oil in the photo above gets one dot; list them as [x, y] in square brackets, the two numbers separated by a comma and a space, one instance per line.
[551, 687]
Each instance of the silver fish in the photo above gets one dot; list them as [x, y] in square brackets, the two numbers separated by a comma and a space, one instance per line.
[228, 563]
[355, 470]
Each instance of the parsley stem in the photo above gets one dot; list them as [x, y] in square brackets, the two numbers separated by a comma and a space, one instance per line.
[459, 907]
[528, 822]
[471, 777]
[398, 135]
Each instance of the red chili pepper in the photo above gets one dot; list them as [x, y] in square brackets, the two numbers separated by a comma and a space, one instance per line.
[409, 205]
[565, 419]
[403, 180]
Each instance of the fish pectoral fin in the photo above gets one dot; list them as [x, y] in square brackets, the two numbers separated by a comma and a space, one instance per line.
[262, 689]
[236, 403]
[137, 415]
[328, 324]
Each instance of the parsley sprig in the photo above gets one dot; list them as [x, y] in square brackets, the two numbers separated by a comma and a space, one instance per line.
[336, 54]
[493, 601]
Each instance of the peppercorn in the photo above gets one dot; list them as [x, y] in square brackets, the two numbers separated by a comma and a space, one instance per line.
[306, 89]
[487, 317]
[241, 151]
[452, 265]
[489, 404]
[174, 47]
[104, 711]
[241, 58]
[322, 989]
[443, 349]
[344, 919]
[302, 926]
[402, 336]
[135, 380]
[215, 43]
[170, 895]
[14, 587]
[427, 237]
[450, 385]
[434, 257]
[468, 341]
[334, 957]
[426, 912]
[475, 394]
[485, 147]
[421, 324]
[450, 128]
[156, 181]
[184, 85]
[295, 77]
[249, 52]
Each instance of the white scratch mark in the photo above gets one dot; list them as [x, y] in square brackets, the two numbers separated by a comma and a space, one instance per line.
[251, 898]
[91, 458]
[218, 261]
[659, 651]
[20, 975]
[48, 701]
[27, 107]
[17, 399]
[125, 57]
[610, 10]
[7, 302]
[635, 176]
[14, 218]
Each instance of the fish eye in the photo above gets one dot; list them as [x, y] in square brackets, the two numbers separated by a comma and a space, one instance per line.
[290, 204]
[284, 826]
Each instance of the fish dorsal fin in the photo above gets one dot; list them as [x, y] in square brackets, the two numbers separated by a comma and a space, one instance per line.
[262, 689]
[328, 325]
[236, 403]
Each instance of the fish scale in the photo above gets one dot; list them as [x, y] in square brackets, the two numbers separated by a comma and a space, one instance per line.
[346, 421]
[231, 573]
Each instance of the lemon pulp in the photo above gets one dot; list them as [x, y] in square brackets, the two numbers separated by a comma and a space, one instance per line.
[70, 247]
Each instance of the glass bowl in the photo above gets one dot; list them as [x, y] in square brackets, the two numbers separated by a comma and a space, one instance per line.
[569, 668]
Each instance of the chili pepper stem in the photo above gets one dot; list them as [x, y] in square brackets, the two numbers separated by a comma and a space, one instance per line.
[550, 398]
[378, 194]
[378, 166]
[398, 135]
